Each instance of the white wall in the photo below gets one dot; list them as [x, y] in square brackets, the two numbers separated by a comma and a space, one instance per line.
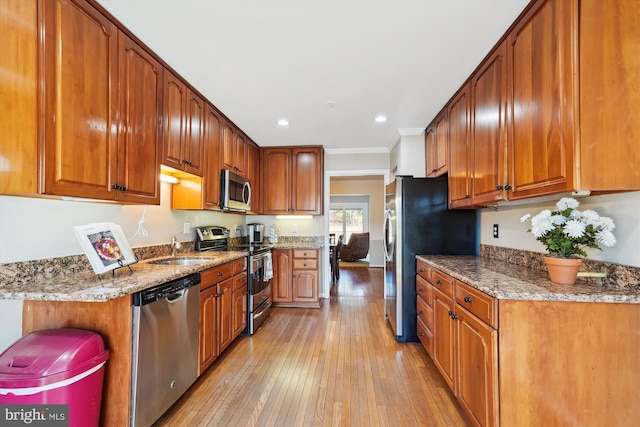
[408, 155]
[32, 228]
[623, 208]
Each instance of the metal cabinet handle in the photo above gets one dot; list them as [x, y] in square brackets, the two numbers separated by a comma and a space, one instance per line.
[438, 282]
[467, 299]
[420, 290]
[219, 273]
[421, 312]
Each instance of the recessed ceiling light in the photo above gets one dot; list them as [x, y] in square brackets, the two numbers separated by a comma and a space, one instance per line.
[380, 119]
[283, 122]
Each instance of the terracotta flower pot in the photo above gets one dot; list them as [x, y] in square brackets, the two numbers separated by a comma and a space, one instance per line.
[563, 271]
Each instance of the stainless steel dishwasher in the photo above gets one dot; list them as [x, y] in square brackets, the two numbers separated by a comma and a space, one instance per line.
[165, 347]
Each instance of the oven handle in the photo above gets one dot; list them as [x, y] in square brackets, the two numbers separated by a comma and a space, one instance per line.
[258, 314]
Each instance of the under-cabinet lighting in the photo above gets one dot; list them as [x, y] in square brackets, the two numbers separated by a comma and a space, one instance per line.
[294, 216]
[169, 178]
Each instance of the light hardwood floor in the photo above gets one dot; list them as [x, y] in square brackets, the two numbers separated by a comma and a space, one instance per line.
[334, 366]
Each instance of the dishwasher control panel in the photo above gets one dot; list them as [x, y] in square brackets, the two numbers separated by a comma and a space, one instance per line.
[162, 291]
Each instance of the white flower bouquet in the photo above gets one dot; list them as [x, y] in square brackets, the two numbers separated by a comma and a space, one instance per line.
[566, 231]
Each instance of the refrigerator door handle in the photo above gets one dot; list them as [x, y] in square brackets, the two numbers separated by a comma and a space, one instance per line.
[388, 251]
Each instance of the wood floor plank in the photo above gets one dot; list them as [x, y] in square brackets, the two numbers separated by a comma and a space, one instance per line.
[338, 365]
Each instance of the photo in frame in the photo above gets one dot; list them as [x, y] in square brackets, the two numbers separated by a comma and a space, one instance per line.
[105, 245]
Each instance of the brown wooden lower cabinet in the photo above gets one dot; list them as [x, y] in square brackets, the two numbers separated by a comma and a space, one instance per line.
[223, 309]
[296, 274]
[531, 363]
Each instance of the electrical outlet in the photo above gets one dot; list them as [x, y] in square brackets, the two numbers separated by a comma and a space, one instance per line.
[294, 228]
[186, 228]
[495, 231]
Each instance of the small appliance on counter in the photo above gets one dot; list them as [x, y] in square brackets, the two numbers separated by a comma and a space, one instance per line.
[254, 233]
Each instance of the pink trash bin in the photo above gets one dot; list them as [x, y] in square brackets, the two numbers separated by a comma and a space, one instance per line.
[56, 366]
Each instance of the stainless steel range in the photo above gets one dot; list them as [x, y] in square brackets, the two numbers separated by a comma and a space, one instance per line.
[260, 272]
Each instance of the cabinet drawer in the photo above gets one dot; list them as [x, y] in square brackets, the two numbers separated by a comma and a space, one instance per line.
[239, 265]
[423, 270]
[240, 281]
[215, 275]
[305, 264]
[442, 281]
[425, 312]
[425, 336]
[305, 253]
[423, 290]
[484, 306]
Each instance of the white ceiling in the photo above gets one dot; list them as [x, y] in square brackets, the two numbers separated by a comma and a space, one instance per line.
[262, 60]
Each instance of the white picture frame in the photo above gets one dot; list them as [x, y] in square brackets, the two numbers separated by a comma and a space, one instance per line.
[105, 245]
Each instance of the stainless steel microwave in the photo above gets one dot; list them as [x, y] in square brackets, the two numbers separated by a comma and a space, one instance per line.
[235, 192]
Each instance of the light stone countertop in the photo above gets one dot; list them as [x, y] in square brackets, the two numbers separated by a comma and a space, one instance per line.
[514, 282]
[298, 245]
[89, 287]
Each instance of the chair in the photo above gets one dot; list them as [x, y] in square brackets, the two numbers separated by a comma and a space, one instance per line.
[334, 255]
[357, 248]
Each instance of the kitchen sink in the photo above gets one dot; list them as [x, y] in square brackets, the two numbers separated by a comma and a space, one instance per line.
[180, 261]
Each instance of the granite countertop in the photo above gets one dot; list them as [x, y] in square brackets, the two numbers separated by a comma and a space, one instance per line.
[514, 282]
[298, 245]
[89, 287]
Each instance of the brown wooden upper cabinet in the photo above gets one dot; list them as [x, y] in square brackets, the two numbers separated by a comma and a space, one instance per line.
[488, 138]
[542, 100]
[609, 95]
[436, 146]
[292, 180]
[459, 149]
[183, 130]
[234, 149]
[548, 107]
[99, 139]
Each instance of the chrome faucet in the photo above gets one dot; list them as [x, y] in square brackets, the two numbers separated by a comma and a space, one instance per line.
[175, 245]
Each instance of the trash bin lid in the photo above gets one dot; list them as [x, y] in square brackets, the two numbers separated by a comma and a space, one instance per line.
[47, 353]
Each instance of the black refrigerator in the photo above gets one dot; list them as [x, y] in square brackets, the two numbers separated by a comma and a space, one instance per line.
[418, 222]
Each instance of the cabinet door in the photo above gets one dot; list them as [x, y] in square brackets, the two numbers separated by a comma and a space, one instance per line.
[212, 138]
[239, 310]
[225, 309]
[281, 283]
[175, 120]
[458, 164]
[19, 117]
[542, 99]
[430, 151]
[442, 143]
[477, 369]
[489, 134]
[208, 340]
[306, 180]
[140, 80]
[79, 64]
[253, 173]
[444, 337]
[240, 153]
[228, 146]
[305, 286]
[192, 148]
[276, 179]
[609, 95]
